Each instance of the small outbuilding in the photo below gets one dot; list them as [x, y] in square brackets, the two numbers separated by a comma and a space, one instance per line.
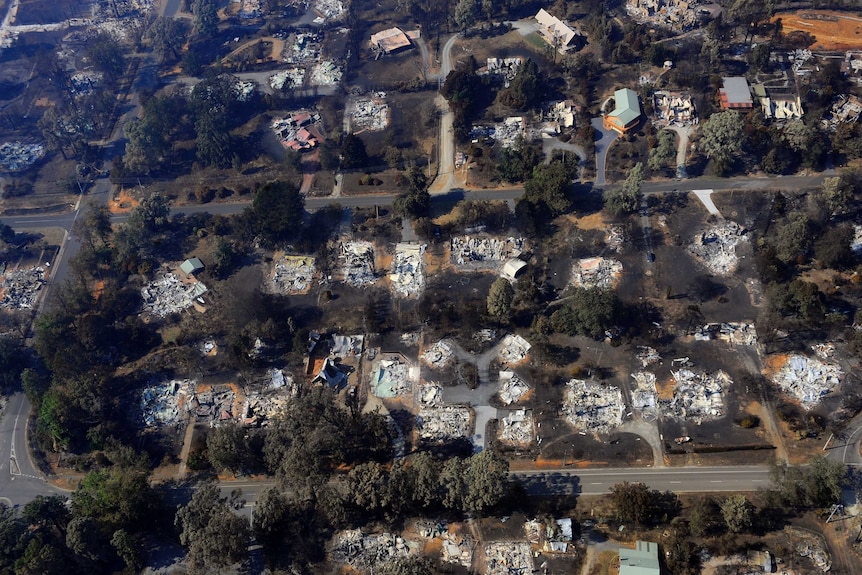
[192, 266]
[642, 560]
[513, 269]
[391, 40]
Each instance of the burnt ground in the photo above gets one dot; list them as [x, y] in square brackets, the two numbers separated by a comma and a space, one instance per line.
[50, 11]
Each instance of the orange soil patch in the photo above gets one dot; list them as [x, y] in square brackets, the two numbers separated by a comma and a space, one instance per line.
[123, 203]
[665, 388]
[591, 222]
[100, 287]
[773, 363]
[832, 30]
[434, 547]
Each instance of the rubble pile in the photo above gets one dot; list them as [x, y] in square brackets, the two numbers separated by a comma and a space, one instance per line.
[304, 49]
[677, 14]
[287, 79]
[644, 395]
[593, 407]
[169, 294]
[856, 244]
[507, 68]
[615, 237]
[824, 350]
[162, 404]
[294, 274]
[16, 156]
[444, 423]
[508, 132]
[19, 288]
[477, 250]
[84, 82]
[408, 274]
[438, 355]
[737, 333]
[369, 113]
[458, 549]
[208, 348]
[259, 408]
[716, 247]
[698, 396]
[807, 379]
[514, 349]
[517, 427]
[345, 346]
[647, 356]
[286, 383]
[329, 8]
[430, 395]
[390, 378]
[216, 403]
[357, 264]
[508, 558]
[846, 109]
[367, 551]
[511, 388]
[597, 272]
[326, 73]
[673, 109]
[814, 548]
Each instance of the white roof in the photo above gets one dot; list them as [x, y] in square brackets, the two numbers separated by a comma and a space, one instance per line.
[551, 26]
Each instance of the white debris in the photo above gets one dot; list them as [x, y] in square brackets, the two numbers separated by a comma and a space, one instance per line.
[367, 551]
[408, 272]
[856, 244]
[438, 355]
[485, 251]
[508, 558]
[514, 349]
[303, 49]
[737, 333]
[208, 348]
[325, 73]
[368, 114]
[716, 247]
[596, 273]
[357, 264]
[517, 427]
[290, 78]
[808, 379]
[430, 395]
[16, 156]
[169, 294]
[485, 335]
[444, 423]
[458, 549]
[644, 395]
[592, 407]
[824, 350]
[329, 8]
[647, 356]
[162, 404]
[615, 237]
[20, 288]
[511, 388]
[697, 396]
[391, 377]
[294, 274]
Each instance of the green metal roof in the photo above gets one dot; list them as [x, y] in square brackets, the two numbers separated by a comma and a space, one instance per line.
[628, 109]
[191, 266]
[642, 560]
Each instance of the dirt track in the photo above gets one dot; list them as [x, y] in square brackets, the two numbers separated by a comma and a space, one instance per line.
[833, 30]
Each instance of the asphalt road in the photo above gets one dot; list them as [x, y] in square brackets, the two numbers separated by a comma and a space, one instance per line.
[595, 481]
[20, 482]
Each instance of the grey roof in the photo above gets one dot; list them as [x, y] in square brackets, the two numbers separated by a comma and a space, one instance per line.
[642, 560]
[191, 266]
[736, 90]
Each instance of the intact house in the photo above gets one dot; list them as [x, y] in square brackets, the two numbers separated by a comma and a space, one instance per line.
[557, 33]
[627, 112]
[392, 40]
[779, 103]
[735, 94]
[642, 560]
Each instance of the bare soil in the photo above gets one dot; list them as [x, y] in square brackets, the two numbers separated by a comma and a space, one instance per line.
[833, 30]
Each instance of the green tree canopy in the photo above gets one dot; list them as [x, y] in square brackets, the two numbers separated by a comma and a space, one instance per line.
[623, 200]
[722, 138]
[214, 536]
[588, 312]
[500, 298]
[276, 212]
